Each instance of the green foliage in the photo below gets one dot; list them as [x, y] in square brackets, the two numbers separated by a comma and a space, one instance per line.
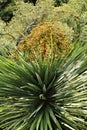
[43, 95]
[3, 52]
[6, 16]
[59, 2]
[4, 3]
[31, 1]
[6, 10]
[83, 28]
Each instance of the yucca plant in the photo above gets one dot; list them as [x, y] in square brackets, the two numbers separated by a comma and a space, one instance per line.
[44, 95]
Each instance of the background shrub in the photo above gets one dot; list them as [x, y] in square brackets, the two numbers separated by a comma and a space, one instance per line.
[83, 28]
[68, 18]
[6, 10]
[59, 2]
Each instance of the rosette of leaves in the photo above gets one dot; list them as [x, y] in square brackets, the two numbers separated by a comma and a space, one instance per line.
[45, 40]
[43, 95]
[6, 51]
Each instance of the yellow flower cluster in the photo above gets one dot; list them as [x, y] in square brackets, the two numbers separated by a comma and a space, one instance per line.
[45, 40]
